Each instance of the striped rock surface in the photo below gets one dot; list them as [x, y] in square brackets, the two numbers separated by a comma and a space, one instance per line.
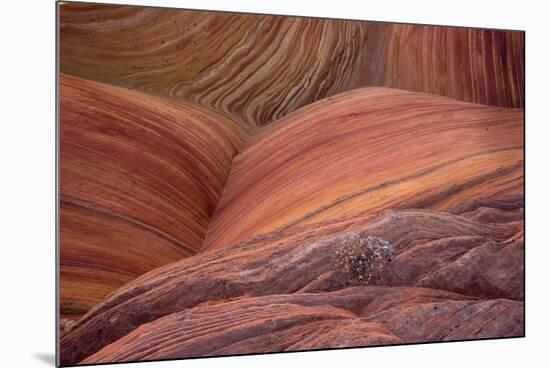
[258, 68]
[212, 164]
[476, 65]
[364, 151]
[140, 178]
[288, 278]
[311, 321]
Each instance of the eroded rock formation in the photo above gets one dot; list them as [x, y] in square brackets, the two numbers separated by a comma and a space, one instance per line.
[364, 151]
[298, 264]
[258, 68]
[476, 65]
[222, 173]
[140, 178]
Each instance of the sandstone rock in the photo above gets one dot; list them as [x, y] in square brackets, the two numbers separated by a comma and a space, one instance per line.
[257, 69]
[365, 151]
[140, 178]
[300, 261]
[316, 321]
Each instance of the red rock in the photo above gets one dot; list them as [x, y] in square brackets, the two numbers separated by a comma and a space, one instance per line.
[366, 151]
[140, 178]
[257, 69]
[315, 321]
[298, 261]
[215, 167]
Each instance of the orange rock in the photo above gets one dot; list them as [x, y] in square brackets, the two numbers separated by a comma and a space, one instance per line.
[316, 321]
[364, 151]
[300, 261]
[476, 65]
[217, 162]
[258, 68]
[140, 178]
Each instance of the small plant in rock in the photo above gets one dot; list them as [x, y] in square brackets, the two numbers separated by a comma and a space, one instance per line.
[363, 258]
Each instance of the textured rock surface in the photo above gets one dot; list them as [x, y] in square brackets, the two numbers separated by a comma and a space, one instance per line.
[367, 150]
[313, 321]
[217, 167]
[476, 65]
[258, 68]
[300, 261]
[467, 174]
[140, 178]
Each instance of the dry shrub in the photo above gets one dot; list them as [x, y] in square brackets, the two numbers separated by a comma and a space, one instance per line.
[363, 258]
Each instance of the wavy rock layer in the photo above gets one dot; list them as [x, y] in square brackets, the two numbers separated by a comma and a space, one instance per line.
[317, 321]
[291, 296]
[364, 151]
[258, 68]
[476, 65]
[140, 178]
[214, 169]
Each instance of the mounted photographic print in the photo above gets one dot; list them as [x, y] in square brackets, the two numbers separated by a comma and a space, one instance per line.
[235, 183]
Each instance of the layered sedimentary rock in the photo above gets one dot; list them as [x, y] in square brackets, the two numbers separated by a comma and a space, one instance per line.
[140, 178]
[229, 184]
[366, 150]
[258, 68]
[312, 321]
[168, 306]
[476, 65]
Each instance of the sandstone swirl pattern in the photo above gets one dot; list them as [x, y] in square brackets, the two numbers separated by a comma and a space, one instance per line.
[140, 178]
[476, 65]
[258, 68]
[366, 150]
[237, 64]
[457, 274]
[212, 164]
